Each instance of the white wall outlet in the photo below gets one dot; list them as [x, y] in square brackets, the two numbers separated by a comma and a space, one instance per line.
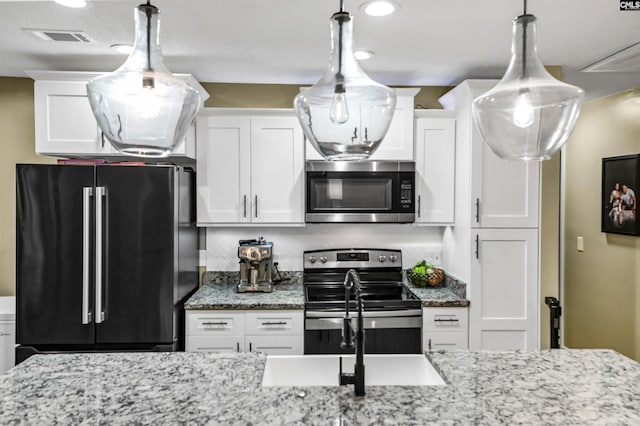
[580, 244]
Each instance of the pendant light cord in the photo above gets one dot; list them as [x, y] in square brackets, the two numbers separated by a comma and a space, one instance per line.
[524, 40]
[339, 77]
[148, 13]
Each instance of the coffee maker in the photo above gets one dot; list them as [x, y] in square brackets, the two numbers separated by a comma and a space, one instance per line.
[256, 264]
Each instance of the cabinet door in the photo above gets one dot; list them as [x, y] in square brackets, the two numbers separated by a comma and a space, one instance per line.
[223, 163]
[503, 314]
[64, 122]
[277, 170]
[398, 142]
[7, 345]
[275, 345]
[435, 170]
[504, 193]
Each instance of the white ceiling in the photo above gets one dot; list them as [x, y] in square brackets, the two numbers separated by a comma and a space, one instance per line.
[426, 42]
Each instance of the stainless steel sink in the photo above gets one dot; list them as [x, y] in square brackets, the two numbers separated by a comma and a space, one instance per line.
[323, 370]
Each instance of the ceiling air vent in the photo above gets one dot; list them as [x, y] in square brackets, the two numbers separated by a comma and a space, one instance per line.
[625, 60]
[62, 35]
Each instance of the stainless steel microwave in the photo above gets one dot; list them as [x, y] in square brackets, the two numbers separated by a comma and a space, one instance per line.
[364, 191]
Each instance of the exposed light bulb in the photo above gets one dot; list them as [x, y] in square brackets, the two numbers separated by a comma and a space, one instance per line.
[523, 112]
[339, 112]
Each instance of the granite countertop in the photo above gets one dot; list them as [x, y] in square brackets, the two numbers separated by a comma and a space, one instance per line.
[219, 292]
[224, 296]
[560, 387]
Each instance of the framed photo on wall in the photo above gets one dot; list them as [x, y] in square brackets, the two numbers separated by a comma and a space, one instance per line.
[620, 186]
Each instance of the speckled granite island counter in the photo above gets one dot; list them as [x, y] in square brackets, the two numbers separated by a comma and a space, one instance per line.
[562, 387]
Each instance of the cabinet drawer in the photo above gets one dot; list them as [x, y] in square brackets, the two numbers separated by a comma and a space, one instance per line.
[275, 345]
[215, 323]
[445, 319]
[445, 341]
[274, 322]
[214, 344]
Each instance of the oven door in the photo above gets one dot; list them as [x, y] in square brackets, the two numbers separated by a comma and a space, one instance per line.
[381, 194]
[386, 332]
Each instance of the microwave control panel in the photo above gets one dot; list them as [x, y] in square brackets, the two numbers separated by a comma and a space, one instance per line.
[406, 194]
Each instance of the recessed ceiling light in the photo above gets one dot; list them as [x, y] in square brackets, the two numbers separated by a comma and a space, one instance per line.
[379, 8]
[71, 3]
[362, 55]
[125, 49]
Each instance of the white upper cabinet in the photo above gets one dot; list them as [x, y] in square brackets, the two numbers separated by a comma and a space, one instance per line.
[65, 125]
[398, 142]
[503, 194]
[435, 166]
[250, 167]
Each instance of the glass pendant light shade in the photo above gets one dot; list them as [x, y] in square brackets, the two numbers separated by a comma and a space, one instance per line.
[345, 114]
[529, 114]
[142, 109]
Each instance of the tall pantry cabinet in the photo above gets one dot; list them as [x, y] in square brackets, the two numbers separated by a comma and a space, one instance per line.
[497, 223]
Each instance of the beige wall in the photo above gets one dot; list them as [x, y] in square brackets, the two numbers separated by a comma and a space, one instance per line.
[232, 95]
[17, 142]
[602, 284]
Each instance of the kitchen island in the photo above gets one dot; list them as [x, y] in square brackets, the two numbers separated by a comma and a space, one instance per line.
[483, 388]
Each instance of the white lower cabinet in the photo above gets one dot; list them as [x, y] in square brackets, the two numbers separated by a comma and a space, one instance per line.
[445, 328]
[7, 345]
[274, 332]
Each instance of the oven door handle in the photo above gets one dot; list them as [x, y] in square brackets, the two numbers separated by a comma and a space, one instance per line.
[366, 314]
[369, 323]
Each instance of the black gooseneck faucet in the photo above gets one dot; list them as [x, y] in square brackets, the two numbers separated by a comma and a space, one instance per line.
[352, 279]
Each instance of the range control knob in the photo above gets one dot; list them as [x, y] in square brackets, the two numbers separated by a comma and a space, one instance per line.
[323, 259]
[393, 258]
[382, 258]
[312, 259]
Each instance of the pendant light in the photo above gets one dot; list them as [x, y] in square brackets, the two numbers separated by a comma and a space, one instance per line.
[529, 114]
[142, 109]
[345, 114]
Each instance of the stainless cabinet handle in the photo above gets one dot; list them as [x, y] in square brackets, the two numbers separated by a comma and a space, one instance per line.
[2, 334]
[429, 344]
[215, 323]
[477, 210]
[419, 204]
[256, 204]
[477, 246]
[249, 346]
[237, 346]
[100, 192]
[446, 320]
[244, 206]
[102, 139]
[274, 323]
[87, 193]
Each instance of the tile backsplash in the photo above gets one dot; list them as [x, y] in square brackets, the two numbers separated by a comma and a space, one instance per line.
[416, 242]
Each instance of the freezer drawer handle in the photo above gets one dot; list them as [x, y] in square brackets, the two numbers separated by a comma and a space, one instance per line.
[100, 192]
[215, 323]
[87, 193]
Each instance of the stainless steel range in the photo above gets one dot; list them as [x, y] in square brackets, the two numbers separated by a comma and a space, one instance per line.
[392, 314]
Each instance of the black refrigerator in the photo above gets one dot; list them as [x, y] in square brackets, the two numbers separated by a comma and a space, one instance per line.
[106, 255]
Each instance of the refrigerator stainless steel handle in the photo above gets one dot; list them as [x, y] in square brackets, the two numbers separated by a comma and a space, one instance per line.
[87, 193]
[419, 206]
[256, 203]
[244, 206]
[100, 192]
